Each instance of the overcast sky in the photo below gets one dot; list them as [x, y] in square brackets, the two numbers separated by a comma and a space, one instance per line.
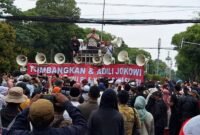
[137, 36]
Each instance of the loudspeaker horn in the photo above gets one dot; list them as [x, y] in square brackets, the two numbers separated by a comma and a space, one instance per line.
[141, 60]
[21, 60]
[117, 42]
[59, 58]
[123, 56]
[96, 59]
[40, 58]
[77, 60]
[107, 59]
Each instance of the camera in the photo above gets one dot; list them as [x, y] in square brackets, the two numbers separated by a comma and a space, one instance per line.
[49, 97]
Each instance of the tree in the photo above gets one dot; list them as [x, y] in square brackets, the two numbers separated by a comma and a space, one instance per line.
[188, 56]
[49, 38]
[7, 7]
[7, 47]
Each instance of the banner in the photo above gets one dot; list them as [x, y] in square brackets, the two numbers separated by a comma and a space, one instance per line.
[79, 72]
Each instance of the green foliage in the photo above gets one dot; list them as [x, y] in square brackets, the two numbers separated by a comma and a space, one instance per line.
[7, 7]
[153, 67]
[153, 77]
[7, 47]
[188, 56]
[57, 8]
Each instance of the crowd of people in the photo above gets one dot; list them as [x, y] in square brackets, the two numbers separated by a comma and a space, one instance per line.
[50, 105]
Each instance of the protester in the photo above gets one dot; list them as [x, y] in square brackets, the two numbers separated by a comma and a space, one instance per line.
[93, 39]
[59, 120]
[188, 106]
[74, 96]
[3, 93]
[41, 119]
[27, 81]
[158, 109]
[166, 98]
[106, 120]
[66, 86]
[128, 114]
[87, 107]
[14, 98]
[146, 118]
[174, 123]
[74, 47]
[26, 92]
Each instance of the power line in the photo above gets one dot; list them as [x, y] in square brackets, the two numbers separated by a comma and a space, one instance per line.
[136, 5]
[150, 12]
[98, 21]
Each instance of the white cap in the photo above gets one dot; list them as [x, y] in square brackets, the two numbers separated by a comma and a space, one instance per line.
[86, 88]
[118, 81]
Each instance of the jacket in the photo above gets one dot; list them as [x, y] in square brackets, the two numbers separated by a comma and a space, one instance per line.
[87, 108]
[106, 120]
[21, 125]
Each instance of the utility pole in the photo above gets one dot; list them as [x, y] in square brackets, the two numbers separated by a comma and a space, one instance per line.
[169, 61]
[103, 15]
[158, 59]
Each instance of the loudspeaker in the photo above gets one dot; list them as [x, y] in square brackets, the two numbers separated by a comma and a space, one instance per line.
[21, 60]
[77, 60]
[141, 60]
[40, 58]
[117, 42]
[107, 59]
[123, 56]
[59, 58]
[96, 59]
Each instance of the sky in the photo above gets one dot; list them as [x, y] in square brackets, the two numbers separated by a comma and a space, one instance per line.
[137, 35]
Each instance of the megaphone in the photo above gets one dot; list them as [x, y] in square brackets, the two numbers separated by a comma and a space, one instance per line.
[22, 60]
[96, 59]
[77, 59]
[107, 59]
[117, 42]
[141, 60]
[59, 58]
[123, 56]
[40, 58]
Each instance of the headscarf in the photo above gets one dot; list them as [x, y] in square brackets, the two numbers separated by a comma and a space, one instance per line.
[140, 104]
[109, 100]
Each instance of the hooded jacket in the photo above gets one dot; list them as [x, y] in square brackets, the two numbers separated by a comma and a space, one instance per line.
[106, 120]
[146, 118]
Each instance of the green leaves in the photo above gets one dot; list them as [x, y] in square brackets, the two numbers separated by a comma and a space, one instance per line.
[188, 56]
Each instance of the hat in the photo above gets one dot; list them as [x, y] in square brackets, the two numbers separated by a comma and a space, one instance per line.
[118, 81]
[132, 84]
[56, 89]
[86, 88]
[15, 95]
[27, 77]
[111, 81]
[42, 109]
